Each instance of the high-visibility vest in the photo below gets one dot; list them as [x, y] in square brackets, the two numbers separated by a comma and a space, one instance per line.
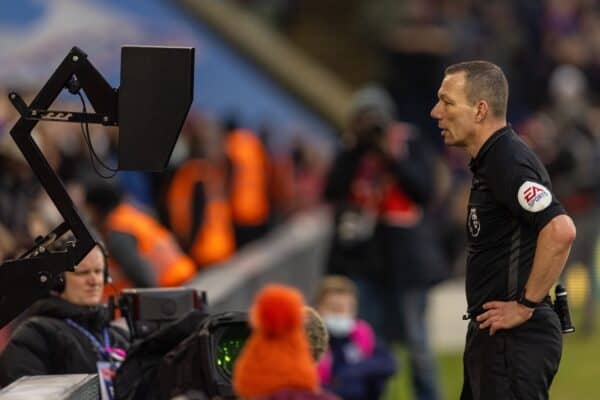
[214, 240]
[155, 244]
[249, 196]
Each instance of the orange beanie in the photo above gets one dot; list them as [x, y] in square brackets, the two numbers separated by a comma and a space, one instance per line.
[277, 355]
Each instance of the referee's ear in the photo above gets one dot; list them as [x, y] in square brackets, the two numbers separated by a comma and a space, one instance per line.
[482, 111]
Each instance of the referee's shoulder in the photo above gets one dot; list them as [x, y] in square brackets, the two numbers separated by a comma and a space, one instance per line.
[511, 150]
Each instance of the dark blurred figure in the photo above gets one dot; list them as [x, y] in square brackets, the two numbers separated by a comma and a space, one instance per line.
[145, 253]
[19, 187]
[381, 184]
[356, 366]
[67, 332]
[413, 43]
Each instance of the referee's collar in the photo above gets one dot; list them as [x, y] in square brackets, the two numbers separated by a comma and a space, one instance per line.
[475, 162]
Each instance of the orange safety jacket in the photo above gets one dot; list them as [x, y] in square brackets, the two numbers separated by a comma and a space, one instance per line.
[154, 243]
[214, 240]
[249, 197]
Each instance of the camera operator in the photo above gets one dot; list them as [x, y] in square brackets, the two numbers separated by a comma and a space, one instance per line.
[67, 332]
[381, 185]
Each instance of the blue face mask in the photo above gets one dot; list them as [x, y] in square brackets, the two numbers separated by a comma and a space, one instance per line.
[339, 325]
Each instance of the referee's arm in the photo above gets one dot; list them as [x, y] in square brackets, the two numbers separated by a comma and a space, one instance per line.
[552, 249]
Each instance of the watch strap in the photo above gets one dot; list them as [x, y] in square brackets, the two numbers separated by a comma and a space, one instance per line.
[527, 303]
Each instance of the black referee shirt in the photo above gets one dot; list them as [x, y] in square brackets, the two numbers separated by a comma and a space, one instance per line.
[511, 201]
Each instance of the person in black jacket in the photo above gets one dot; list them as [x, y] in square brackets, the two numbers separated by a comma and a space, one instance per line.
[67, 332]
[381, 185]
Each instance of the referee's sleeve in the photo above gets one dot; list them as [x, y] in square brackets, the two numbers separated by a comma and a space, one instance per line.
[524, 188]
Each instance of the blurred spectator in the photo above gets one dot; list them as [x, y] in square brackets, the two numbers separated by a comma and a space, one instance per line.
[356, 366]
[276, 362]
[381, 185]
[199, 211]
[197, 204]
[414, 43]
[145, 253]
[68, 332]
[297, 177]
[19, 186]
[248, 187]
[7, 244]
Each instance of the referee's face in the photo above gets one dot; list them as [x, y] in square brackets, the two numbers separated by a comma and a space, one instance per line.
[455, 116]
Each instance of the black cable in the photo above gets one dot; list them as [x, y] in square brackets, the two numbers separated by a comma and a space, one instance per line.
[87, 138]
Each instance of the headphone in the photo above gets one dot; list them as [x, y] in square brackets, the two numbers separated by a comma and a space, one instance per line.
[59, 285]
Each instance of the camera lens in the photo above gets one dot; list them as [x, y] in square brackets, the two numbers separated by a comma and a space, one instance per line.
[229, 345]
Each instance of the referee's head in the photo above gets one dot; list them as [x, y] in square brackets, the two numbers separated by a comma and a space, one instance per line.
[472, 102]
[484, 81]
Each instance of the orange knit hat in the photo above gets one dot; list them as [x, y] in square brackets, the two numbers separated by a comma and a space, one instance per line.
[277, 354]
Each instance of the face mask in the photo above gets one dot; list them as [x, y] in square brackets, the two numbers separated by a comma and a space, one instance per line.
[339, 325]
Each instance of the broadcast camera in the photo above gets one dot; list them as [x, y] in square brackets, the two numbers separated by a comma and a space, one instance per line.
[186, 348]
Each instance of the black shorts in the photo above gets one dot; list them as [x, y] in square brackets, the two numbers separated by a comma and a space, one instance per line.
[514, 364]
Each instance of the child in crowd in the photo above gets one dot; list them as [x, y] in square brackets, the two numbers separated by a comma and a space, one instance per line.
[356, 366]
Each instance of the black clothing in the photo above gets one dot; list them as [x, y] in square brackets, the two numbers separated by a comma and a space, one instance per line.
[384, 242]
[139, 377]
[399, 255]
[507, 210]
[507, 365]
[511, 201]
[123, 247]
[46, 344]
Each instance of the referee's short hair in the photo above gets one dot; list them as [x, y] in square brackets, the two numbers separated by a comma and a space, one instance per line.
[484, 81]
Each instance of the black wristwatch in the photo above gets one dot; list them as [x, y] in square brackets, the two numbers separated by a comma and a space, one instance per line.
[527, 303]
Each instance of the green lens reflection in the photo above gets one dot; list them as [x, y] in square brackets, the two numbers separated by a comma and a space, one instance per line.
[229, 345]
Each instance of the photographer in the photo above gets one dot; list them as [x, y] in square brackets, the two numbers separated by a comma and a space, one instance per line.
[67, 332]
[381, 185]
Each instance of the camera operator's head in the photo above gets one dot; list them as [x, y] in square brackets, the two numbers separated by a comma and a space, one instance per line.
[371, 112]
[85, 285]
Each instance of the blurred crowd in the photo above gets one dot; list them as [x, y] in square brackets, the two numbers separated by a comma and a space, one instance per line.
[224, 187]
[549, 50]
[222, 181]
[398, 196]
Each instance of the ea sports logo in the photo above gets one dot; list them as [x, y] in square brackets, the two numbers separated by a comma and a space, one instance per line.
[534, 197]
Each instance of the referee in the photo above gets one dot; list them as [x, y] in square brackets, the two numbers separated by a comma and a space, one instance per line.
[519, 238]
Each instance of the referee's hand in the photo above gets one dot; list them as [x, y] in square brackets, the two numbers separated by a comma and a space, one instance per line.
[503, 315]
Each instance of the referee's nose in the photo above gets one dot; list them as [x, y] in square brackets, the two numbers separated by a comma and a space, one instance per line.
[436, 111]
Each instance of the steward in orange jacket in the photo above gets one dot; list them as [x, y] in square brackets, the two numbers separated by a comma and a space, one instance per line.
[143, 252]
[249, 192]
[199, 211]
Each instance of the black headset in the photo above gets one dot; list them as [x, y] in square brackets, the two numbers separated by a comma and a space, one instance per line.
[59, 285]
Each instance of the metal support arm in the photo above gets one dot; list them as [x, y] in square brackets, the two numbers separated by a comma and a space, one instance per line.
[33, 274]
